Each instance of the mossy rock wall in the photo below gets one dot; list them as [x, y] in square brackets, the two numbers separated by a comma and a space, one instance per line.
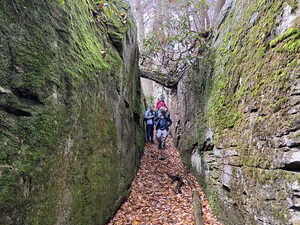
[239, 116]
[71, 133]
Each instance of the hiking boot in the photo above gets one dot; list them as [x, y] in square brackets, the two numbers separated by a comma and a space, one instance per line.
[162, 157]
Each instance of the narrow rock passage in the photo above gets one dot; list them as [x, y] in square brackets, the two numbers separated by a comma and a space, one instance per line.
[154, 199]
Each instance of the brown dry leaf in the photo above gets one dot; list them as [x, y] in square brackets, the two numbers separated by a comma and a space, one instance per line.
[154, 199]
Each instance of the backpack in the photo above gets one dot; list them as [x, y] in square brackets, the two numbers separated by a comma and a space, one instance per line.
[161, 104]
[163, 123]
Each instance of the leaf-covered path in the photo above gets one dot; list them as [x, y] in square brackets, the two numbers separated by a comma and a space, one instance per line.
[154, 199]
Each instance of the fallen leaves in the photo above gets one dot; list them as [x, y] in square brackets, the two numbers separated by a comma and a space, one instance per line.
[154, 200]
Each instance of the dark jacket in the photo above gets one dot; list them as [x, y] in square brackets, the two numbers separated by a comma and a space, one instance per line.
[163, 122]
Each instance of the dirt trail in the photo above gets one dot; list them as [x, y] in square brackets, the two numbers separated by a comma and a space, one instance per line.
[154, 199]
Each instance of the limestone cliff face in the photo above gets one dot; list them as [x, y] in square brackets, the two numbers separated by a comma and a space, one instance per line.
[70, 125]
[238, 125]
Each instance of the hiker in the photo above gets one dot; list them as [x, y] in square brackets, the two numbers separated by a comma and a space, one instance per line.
[163, 122]
[149, 118]
[161, 103]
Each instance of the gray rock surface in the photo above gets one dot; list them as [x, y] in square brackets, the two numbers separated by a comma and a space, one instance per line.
[239, 115]
[71, 132]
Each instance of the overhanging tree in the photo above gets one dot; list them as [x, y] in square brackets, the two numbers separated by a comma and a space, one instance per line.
[176, 41]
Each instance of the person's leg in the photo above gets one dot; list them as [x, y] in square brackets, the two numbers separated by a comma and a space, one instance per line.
[158, 135]
[151, 134]
[148, 130]
[164, 137]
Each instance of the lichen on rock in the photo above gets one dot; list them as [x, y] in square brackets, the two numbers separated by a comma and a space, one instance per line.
[245, 91]
[70, 127]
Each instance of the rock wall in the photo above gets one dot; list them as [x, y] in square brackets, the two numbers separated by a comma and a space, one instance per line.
[71, 132]
[238, 126]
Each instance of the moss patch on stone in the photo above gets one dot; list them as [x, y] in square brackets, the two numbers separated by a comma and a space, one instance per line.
[253, 71]
[63, 160]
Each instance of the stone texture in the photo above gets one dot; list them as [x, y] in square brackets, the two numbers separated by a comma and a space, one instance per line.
[288, 17]
[227, 176]
[71, 132]
[244, 94]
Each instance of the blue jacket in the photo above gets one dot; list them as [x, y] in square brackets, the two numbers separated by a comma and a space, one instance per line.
[149, 117]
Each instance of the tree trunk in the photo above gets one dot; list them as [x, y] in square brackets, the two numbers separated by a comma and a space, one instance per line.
[158, 19]
[140, 19]
[201, 19]
[217, 10]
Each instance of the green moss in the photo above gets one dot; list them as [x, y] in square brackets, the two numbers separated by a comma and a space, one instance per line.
[279, 213]
[293, 47]
[93, 172]
[266, 163]
[212, 202]
[64, 156]
[223, 105]
[248, 93]
[254, 159]
[282, 195]
[37, 139]
[298, 178]
[283, 36]
[264, 176]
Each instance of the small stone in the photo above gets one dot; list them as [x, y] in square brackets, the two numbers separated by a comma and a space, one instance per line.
[294, 110]
[292, 160]
[209, 135]
[296, 222]
[293, 139]
[227, 174]
[286, 19]
[253, 17]
[217, 152]
[54, 45]
[5, 91]
[196, 161]
[19, 69]
[290, 202]
[296, 88]
[296, 186]
[234, 161]
[230, 152]
[277, 142]
[296, 201]
[294, 100]
[103, 53]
